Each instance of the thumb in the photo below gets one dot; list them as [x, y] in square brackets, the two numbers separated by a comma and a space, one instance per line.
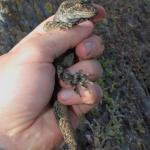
[46, 46]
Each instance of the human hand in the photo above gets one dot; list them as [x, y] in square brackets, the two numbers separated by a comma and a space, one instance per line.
[27, 83]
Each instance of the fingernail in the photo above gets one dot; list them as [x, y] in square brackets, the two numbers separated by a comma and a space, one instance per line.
[89, 47]
[66, 95]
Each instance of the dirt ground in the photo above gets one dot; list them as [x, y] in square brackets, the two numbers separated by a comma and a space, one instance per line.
[122, 122]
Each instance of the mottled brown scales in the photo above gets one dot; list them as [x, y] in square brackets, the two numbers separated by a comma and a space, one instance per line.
[69, 13]
[62, 116]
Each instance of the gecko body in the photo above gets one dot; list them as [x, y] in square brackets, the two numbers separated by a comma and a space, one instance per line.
[69, 14]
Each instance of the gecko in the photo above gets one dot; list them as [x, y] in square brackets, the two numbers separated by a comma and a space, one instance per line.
[69, 14]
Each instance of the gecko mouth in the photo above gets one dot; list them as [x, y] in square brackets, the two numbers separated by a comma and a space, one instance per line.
[85, 14]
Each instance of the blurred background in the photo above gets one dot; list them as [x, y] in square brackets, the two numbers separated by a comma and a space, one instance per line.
[122, 122]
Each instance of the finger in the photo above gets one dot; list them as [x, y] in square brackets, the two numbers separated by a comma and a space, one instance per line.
[89, 95]
[81, 109]
[48, 46]
[101, 13]
[92, 68]
[91, 47]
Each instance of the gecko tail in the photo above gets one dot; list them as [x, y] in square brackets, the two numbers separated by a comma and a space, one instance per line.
[63, 119]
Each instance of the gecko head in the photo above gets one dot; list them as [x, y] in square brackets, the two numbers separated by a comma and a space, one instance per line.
[72, 12]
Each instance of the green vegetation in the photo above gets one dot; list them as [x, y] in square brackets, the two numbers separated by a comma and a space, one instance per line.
[139, 126]
[94, 113]
[113, 129]
[49, 7]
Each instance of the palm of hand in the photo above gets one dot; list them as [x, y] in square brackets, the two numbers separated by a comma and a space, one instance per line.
[36, 81]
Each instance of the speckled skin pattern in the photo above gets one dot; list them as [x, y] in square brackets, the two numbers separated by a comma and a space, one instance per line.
[69, 13]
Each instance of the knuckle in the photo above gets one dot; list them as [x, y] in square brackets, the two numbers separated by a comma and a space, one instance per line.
[93, 95]
[99, 44]
[97, 94]
[95, 70]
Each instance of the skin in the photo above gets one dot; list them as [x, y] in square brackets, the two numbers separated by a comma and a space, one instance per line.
[27, 83]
